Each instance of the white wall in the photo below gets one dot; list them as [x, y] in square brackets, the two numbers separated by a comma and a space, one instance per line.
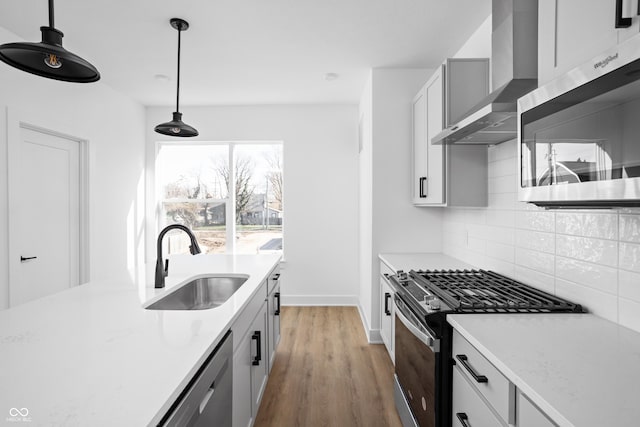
[114, 126]
[393, 223]
[591, 257]
[320, 189]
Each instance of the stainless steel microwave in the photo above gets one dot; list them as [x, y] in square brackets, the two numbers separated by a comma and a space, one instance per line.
[579, 135]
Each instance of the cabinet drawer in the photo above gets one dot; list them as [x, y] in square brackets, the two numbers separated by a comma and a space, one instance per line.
[529, 415]
[494, 386]
[468, 406]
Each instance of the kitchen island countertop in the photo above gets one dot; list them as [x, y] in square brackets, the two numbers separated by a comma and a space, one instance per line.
[579, 369]
[92, 355]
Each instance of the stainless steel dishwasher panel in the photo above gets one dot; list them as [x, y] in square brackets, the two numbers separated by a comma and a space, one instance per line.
[207, 400]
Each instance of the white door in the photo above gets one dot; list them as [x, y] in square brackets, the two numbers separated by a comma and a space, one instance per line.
[44, 231]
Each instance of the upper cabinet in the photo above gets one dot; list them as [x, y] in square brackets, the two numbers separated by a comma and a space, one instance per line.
[445, 175]
[570, 32]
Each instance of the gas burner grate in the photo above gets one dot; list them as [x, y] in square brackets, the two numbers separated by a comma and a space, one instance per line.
[489, 292]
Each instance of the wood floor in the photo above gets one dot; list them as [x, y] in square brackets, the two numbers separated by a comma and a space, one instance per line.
[326, 374]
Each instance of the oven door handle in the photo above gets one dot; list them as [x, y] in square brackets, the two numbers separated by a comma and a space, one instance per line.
[427, 339]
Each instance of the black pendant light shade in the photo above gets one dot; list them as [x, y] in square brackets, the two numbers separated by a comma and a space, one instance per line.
[48, 58]
[177, 127]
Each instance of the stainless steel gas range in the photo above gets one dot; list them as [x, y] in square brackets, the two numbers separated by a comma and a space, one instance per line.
[424, 364]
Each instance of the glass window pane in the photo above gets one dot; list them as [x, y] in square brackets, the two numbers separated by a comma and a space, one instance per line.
[206, 220]
[193, 171]
[259, 204]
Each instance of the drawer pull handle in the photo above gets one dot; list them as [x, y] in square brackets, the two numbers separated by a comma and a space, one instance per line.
[463, 360]
[463, 418]
[256, 360]
[277, 311]
[387, 296]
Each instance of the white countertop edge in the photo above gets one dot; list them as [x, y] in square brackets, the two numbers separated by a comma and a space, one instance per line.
[422, 260]
[533, 396]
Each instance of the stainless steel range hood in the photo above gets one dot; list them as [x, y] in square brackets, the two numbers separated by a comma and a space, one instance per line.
[514, 70]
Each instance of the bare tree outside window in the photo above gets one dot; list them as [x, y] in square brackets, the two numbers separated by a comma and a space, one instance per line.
[243, 172]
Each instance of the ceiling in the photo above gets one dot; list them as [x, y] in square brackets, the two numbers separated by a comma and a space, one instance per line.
[251, 51]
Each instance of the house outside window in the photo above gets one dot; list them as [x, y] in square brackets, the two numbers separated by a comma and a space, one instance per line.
[193, 181]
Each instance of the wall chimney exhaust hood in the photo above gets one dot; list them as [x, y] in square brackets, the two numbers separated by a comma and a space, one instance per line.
[514, 70]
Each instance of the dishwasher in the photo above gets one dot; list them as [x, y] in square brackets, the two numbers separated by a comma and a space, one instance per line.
[207, 399]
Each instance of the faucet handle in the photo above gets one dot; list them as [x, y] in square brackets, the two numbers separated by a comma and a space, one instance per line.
[166, 267]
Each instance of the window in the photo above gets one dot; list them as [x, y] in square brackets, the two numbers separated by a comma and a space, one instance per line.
[193, 181]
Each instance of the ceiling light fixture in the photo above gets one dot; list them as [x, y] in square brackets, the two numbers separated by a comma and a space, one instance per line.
[48, 58]
[177, 127]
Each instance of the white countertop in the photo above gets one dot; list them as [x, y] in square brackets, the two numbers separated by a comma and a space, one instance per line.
[424, 261]
[92, 356]
[579, 369]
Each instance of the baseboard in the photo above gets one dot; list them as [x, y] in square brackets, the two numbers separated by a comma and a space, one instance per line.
[319, 300]
[373, 335]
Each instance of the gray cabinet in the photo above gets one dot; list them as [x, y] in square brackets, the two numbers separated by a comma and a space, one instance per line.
[571, 32]
[250, 359]
[273, 309]
[449, 175]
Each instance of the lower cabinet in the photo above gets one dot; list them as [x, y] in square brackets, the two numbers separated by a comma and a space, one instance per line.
[387, 310]
[386, 313]
[250, 371]
[273, 309]
[256, 334]
[484, 397]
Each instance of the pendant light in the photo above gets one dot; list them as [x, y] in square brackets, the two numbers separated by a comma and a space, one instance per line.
[48, 58]
[177, 127]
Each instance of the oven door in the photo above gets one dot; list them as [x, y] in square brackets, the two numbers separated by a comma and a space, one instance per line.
[416, 368]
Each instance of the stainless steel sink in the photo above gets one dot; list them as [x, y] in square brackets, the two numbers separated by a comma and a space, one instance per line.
[201, 293]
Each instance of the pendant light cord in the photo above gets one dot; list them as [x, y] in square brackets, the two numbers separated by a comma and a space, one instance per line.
[178, 84]
[51, 14]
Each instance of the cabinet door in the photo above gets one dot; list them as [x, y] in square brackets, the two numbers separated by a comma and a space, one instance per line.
[242, 409]
[570, 32]
[273, 307]
[386, 315]
[259, 358]
[468, 407]
[428, 113]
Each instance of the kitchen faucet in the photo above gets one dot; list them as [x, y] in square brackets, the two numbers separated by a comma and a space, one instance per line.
[194, 248]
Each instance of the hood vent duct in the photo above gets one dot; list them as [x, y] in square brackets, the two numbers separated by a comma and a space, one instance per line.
[514, 73]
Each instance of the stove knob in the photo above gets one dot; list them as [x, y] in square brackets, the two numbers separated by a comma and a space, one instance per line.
[434, 304]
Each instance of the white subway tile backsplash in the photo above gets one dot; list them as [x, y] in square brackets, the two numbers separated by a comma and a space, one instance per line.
[536, 240]
[503, 151]
[475, 216]
[477, 245]
[501, 251]
[599, 303]
[629, 313]
[500, 234]
[629, 285]
[598, 251]
[630, 256]
[539, 280]
[588, 224]
[500, 266]
[630, 228]
[535, 260]
[503, 184]
[502, 201]
[501, 218]
[592, 275]
[536, 220]
[503, 167]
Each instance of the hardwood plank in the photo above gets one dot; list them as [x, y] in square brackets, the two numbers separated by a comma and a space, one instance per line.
[326, 374]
